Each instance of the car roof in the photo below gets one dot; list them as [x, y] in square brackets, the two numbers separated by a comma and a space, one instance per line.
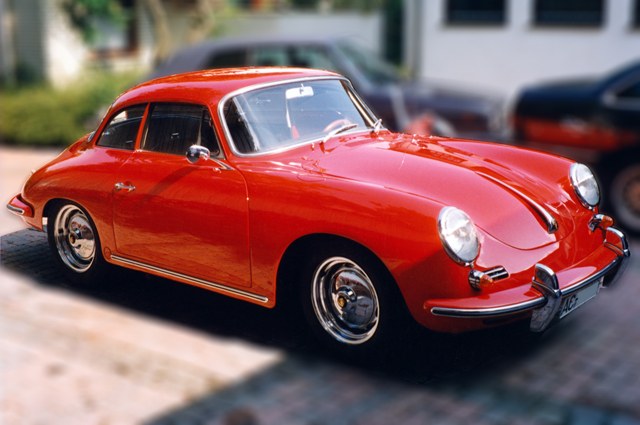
[210, 86]
[195, 56]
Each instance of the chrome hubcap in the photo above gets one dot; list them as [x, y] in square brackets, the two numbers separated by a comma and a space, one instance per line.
[345, 301]
[74, 238]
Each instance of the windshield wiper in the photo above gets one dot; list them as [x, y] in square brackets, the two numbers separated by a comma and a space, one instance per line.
[338, 131]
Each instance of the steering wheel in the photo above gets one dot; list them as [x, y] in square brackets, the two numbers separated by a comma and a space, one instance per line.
[336, 124]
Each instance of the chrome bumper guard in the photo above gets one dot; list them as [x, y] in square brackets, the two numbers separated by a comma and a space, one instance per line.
[546, 307]
[15, 210]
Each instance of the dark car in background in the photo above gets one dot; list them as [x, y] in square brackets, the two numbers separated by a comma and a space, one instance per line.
[403, 105]
[591, 119]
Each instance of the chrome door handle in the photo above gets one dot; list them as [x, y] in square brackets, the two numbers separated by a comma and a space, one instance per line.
[122, 186]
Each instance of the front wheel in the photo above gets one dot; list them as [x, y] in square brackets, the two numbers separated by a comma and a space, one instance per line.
[350, 301]
[74, 241]
[624, 197]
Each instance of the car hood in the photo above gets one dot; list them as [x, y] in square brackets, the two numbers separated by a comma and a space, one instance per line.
[502, 200]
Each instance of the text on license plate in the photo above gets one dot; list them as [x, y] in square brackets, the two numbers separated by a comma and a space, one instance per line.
[575, 300]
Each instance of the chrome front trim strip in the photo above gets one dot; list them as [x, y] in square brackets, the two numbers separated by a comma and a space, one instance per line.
[175, 275]
[15, 210]
[550, 221]
[468, 313]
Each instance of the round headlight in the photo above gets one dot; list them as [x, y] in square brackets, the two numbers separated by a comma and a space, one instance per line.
[585, 185]
[458, 235]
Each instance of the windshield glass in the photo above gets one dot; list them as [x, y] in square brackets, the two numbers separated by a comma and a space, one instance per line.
[285, 115]
[374, 69]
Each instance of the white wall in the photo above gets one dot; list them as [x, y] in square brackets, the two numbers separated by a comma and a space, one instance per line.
[65, 52]
[364, 28]
[504, 58]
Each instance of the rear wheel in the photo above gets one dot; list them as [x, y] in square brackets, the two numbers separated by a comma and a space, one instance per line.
[624, 196]
[623, 193]
[74, 241]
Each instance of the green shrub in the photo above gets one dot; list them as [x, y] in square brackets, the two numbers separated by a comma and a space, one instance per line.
[44, 116]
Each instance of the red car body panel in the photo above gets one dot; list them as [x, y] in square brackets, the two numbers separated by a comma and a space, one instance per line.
[232, 220]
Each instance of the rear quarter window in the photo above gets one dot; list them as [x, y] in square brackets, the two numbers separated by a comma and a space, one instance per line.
[122, 130]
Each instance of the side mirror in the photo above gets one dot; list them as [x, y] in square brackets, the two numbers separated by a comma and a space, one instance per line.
[195, 153]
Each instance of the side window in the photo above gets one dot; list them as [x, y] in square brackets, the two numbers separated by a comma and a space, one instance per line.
[312, 57]
[270, 56]
[308, 56]
[173, 127]
[227, 59]
[122, 130]
[630, 93]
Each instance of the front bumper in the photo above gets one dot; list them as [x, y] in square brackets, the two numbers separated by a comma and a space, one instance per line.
[19, 207]
[544, 298]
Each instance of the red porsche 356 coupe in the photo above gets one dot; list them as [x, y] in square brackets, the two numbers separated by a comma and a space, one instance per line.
[253, 182]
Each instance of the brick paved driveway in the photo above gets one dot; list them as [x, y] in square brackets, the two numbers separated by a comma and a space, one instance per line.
[146, 350]
[585, 371]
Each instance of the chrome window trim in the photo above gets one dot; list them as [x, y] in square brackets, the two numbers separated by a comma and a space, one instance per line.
[361, 106]
[172, 275]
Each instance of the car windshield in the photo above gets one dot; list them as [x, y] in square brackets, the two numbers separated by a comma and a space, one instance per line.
[374, 69]
[285, 115]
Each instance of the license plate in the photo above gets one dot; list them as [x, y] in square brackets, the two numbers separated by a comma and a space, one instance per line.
[575, 300]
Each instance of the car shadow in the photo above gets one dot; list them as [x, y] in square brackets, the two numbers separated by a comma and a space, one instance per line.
[425, 358]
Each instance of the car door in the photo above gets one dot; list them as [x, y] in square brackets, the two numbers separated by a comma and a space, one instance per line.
[179, 217]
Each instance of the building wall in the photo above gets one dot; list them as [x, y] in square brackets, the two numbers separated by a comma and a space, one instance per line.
[7, 60]
[65, 53]
[28, 39]
[504, 58]
[364, 28]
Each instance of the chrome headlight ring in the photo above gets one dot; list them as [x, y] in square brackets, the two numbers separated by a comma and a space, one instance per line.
[458, 235]
[585, 185]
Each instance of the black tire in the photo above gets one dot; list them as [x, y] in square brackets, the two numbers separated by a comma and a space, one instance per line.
[75, 244]
[350, 301]
[623, 195]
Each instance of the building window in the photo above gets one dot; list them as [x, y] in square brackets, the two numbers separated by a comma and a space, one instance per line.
[584, 13]
[116, 36]
[475, 12]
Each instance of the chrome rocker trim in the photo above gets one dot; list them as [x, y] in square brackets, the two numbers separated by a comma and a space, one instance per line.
[190, 279]
[546, 282]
